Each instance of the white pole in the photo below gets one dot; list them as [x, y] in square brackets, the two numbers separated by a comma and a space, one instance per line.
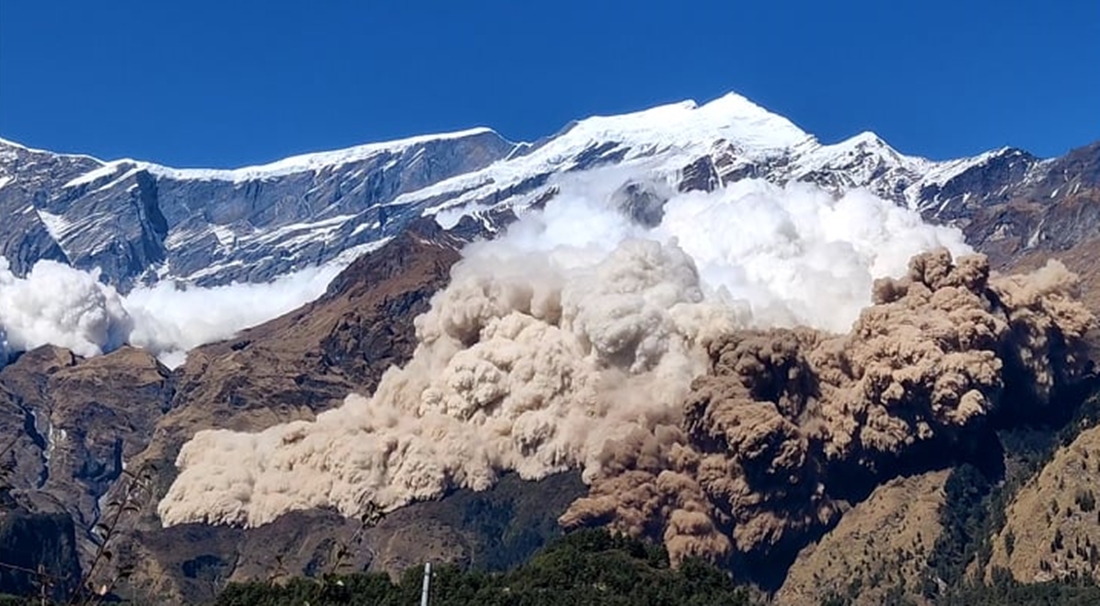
[427, 583]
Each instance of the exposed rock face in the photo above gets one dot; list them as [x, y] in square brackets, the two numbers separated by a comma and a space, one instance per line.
[82, 420]
[133, 219]
[1056, 213]
[21, 446]
[642, 203]
[1000, 176]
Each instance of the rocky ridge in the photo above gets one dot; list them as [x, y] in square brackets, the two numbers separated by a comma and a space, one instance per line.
[141, 222]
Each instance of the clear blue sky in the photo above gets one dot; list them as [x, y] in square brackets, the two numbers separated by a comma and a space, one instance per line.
[230, 82]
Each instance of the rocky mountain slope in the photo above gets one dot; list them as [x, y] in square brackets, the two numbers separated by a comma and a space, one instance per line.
[1052, 524]
[139, 221]
[74, 422]
[876, 546]
[136, 220]
[1056, 214]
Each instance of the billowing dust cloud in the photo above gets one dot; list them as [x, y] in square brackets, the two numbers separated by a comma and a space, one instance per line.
[577, 331]
[527, 368]
[784, 417]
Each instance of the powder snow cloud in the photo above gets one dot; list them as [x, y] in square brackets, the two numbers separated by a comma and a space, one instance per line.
[59, 305]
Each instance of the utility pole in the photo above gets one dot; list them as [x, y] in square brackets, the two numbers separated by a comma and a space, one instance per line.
[427, 584]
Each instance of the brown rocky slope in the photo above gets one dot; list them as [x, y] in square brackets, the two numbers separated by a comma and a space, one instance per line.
[73, 422]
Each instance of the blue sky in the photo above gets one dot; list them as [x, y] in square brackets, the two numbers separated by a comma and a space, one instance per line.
[227, 83]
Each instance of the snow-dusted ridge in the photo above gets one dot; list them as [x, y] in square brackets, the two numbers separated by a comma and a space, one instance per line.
[683, 127]
[671, 134]
[943, 172]
[255, 223]
[294, 164]
[15, 144]
[311, 161]
[687, 124]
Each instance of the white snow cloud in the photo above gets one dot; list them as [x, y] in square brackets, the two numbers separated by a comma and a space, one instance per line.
[59, 305]
[170, 318]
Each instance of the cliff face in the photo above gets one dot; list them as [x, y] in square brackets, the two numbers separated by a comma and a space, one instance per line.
[83, 419]
[137, 221]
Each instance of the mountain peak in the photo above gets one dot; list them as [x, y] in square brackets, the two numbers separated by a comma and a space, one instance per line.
[866, 138]
[687, 123]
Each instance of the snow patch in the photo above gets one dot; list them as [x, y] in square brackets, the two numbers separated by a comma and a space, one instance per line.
[1036, 236]
[226, 237]
[106, 170]
[56, 225]
[306, 232]
[346, 257]
[665, 138]
[362, 227]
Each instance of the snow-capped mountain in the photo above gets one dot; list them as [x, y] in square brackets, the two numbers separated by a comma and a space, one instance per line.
[139, 221]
